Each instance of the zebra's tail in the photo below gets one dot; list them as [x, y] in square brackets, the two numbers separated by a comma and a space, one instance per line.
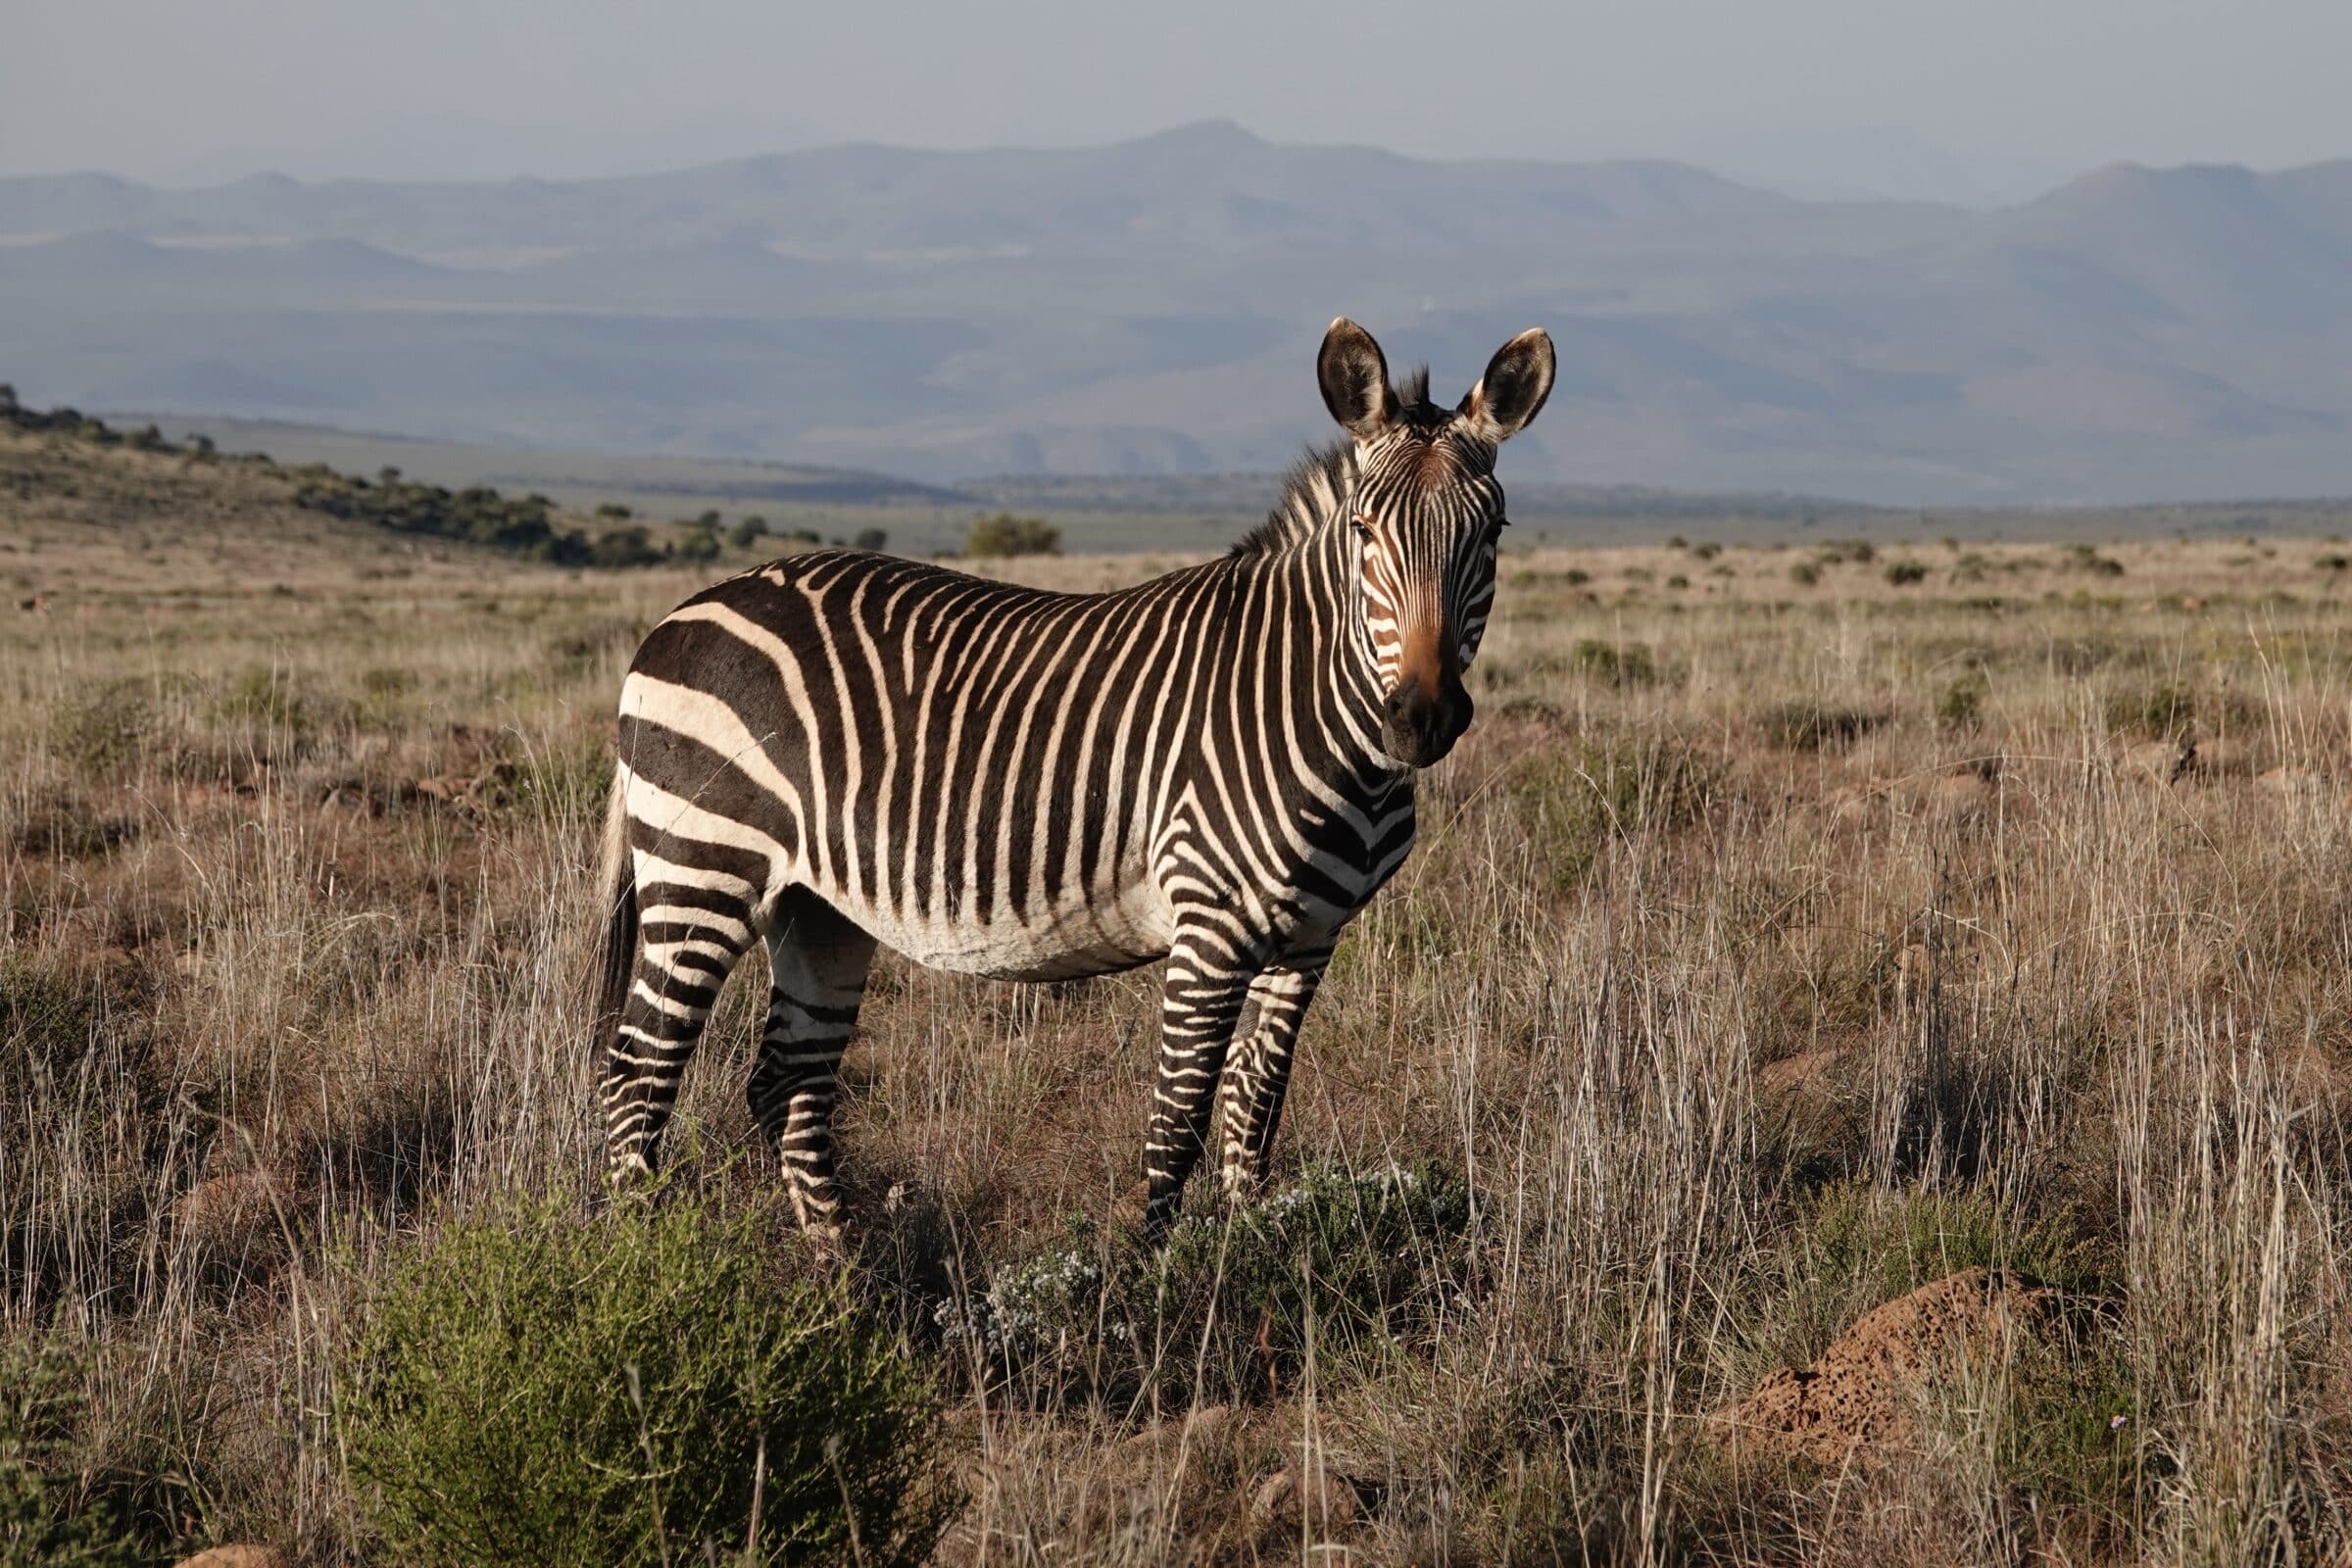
[617, 883]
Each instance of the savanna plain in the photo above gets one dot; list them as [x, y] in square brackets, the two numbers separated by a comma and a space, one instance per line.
[1856, 1072]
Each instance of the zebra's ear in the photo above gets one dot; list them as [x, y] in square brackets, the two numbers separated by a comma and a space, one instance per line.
[1355, 381]
[1511, 393]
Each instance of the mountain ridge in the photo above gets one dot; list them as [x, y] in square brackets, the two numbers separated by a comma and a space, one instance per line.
[1151, 306]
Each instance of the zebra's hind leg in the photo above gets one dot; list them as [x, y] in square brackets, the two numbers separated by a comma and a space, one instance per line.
[1200, 1005]
[817, 962]
[1257, 1071]
[684, 951]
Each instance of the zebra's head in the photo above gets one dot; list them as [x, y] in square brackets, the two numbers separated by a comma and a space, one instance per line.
[1426, 514]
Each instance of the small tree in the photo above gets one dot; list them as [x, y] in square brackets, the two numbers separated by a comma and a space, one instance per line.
[874, 539]
[1007, 535]
[695, 544]
[623, 547]
[614, 511]
[749, 532]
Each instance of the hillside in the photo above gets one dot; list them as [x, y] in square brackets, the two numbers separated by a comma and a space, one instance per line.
[1151, 308]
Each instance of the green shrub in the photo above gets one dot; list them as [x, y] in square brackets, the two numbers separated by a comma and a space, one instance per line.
[632, 546]
[1571, 802]
[478, 515]
[537, 1388]
[46, 1518]
[1341, 1266]
[2163, 710]
[874, 539]
[749, 532]
[1576, 576]
[1812, 726]
[1804, 574]
[562, 784]
[102, 732]
[1906, 573]
[2085, 557]
[1007, 535]
[695, 543]
[268, 698]
[1618, 664]
[1963, 700]
[1895, 1242]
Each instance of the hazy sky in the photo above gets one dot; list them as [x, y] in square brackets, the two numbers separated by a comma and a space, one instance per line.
[1830, 91]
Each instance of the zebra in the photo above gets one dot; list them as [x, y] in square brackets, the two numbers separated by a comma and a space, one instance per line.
[842, 750]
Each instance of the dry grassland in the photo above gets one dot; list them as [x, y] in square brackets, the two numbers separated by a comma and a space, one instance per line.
[1773, 947]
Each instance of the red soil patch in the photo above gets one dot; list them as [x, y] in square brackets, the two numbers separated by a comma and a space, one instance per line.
[1863, 1393]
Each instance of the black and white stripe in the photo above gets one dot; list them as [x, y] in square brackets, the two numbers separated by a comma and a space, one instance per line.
[842, 750]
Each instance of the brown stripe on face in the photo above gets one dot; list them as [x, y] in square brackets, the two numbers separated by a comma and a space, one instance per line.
[1426, 658]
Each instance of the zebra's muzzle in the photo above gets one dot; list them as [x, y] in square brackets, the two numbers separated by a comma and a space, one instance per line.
[1418, 729]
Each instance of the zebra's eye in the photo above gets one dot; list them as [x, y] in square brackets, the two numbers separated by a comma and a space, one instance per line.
[1362, 522]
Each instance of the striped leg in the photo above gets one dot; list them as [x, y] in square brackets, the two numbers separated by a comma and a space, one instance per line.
[1198, 1008]
[817, 962]
[1258, 1070]
[685, 951]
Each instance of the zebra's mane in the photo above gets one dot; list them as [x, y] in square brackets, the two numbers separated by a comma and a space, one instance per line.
[1319, 483]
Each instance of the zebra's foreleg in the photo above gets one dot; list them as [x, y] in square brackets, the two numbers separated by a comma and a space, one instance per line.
[1257, 1071]
[1198, 1008]
[817, 963]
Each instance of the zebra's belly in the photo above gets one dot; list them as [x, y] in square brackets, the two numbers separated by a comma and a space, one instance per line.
[1060, 944]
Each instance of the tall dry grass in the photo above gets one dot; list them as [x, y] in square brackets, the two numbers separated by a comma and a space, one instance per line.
[1749, 975]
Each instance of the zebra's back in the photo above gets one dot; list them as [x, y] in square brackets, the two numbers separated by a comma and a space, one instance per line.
[972, 771]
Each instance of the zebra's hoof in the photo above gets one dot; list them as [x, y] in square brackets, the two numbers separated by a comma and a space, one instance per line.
[835, 1245]
[1130, 1209]
[629, 1179]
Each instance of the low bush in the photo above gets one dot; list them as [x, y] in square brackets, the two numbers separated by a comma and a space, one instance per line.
[1963, 701]
[1007, 535]
[1895, 1242]
[47, 1518]
[2087, 558]
[2162, 711]
[1619, 664]
[1906, 573]
[270, 699]
[102, 732]
[1342, 1266]
[642, 1385]
[1572, 802]
[1817, 726]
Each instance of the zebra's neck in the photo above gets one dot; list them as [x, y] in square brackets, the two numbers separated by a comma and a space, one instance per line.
[1308, 547]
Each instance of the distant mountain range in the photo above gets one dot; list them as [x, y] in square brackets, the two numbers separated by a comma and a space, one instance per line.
[1152, 307]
